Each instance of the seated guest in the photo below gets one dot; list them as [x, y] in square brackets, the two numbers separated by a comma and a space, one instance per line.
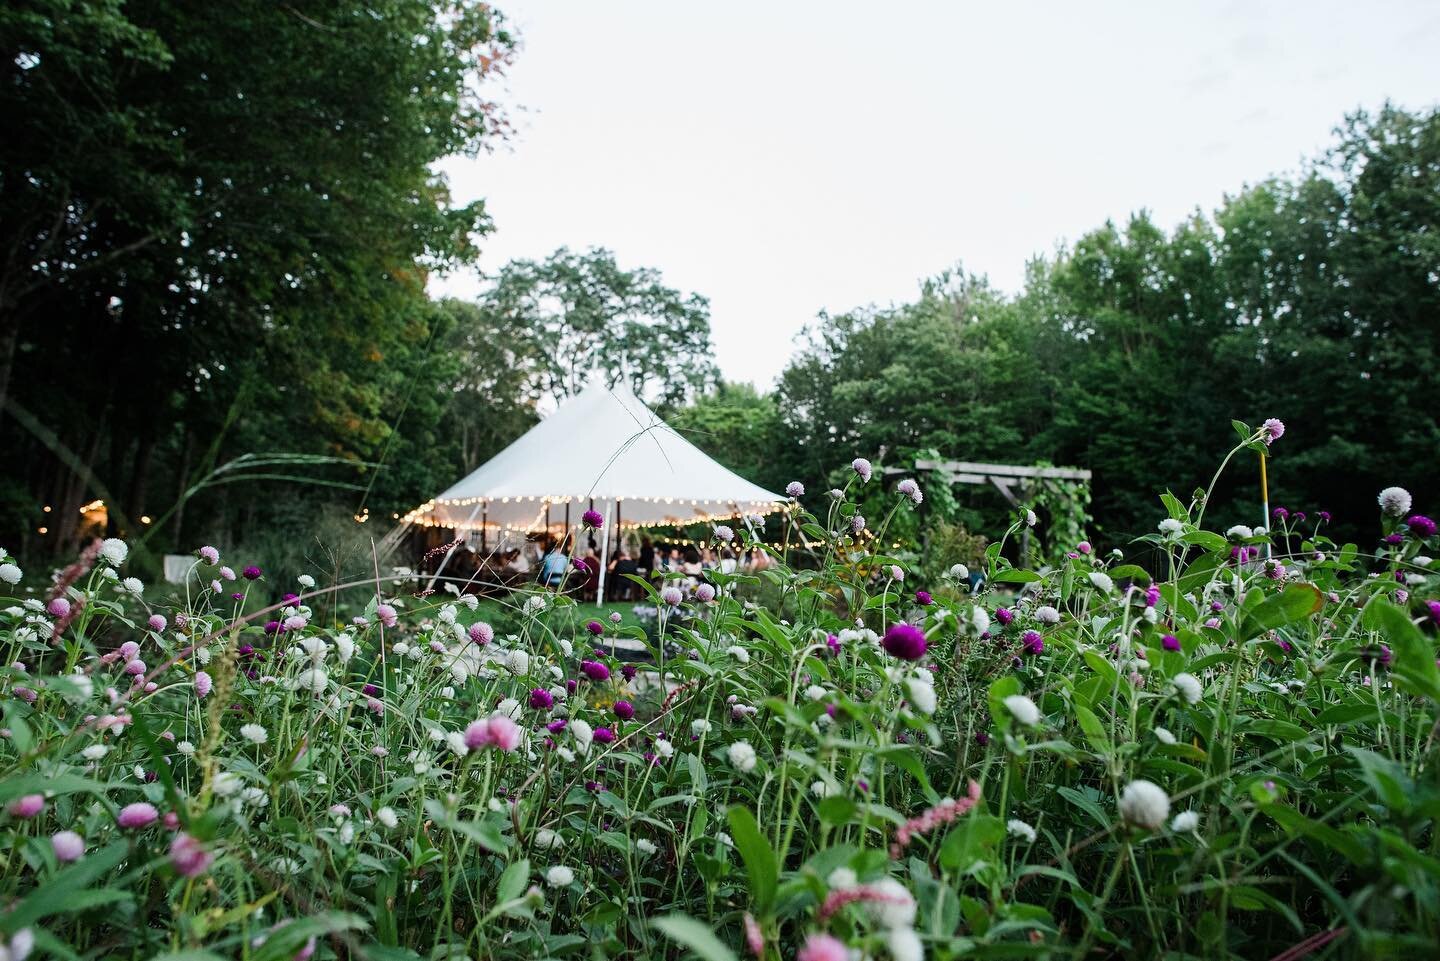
[553, 566]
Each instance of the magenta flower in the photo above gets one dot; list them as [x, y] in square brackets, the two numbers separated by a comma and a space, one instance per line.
[1032, 642]
[58, 607]
[188, 856]
[595, 627]
[27, 806]
[387, 615]
[251, 573]
[68, 846]
[481, 633]
[624, 710]
[604, 735]
[1004, 615]
[138, 815]
[905, 641]
[923, 598]
[157, 622]
[1274, 430]
[1084, 547]
[592, 519]
[595, 670]
[1420, 525]
[1170, 642]
[541, 699]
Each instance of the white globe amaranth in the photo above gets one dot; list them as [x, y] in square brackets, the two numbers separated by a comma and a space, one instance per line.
[559, 876]
[1017, 828]
[1022, 709]
[1395, 501]
[1144, 804]
[742, 756]
[1170, 527]
[896, 910]
[1046, 614]
[1185, 822]
[114, 550]
[1189, 687]
[1102, 581]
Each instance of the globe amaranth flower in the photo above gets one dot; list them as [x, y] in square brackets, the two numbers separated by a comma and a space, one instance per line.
[1420, 525]
[1170, 642]
[592, 519]
[604, 735]
[1395, 501]
[58, 607]
[862, 468]
[624, 710]
[794, 489]
[26, 806]
[672, 596]
[595, 671]
[251, 573]
[203, 683]
[823, 947]
[541, 699]
[497, 731]
[1004, 615]
[1144, 804]
[723, 533]
[67, 845]
[387, 615]
[188, 856]
[595, 627]
[910, 489]
[1032, 642]
[1022, 709]
[742, 756]
[138, 815]
[1274, 429]
[209, 555]
[905, 641]
[705, 593]
[857, 523]
[923, 598]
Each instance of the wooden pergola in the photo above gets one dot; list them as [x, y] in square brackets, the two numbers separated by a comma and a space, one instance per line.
[1012, 481]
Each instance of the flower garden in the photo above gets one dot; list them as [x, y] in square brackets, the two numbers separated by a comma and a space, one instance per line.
[1227, 753]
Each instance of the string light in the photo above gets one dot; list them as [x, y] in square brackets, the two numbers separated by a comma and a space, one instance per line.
[95, 505]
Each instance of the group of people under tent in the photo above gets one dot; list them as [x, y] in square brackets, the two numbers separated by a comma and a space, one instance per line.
[555, 563]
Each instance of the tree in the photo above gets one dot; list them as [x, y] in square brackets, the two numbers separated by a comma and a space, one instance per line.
[576, 316]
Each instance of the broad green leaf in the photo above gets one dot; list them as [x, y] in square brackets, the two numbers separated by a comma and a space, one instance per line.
[699, 938]
[760, 861]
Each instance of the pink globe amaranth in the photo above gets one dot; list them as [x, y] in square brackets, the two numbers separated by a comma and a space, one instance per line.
[905, 641]
[387, 615]
[1084, 547]
[481, 633]
[823, 947]
[672, 596]
[498, 731]
[27, 806]
[188, 856]
[203, 683]
[624, 710]
[209, 555]
[68, 846]
[862, 469]
[157, 623]
[135, 667]
[58, 607]
[1274, 429]
[705, 593]
[138, 815]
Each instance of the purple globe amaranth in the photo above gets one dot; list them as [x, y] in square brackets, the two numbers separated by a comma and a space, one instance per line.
[923, 598]
[1004, 615]
[541, 699]
[905, 641]
[251, 573]
[1170, 642]
[1032, 642]
[592, 519]
[624, 710]
[1420, 525]
[595, 671]
[595, 627]
[1274, 429]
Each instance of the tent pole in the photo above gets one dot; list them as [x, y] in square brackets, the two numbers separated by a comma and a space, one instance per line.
[484, 523]
[604, 556]
[446, 559]
[567, 524]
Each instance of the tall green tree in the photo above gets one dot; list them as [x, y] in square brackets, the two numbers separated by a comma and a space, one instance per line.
[574, 316]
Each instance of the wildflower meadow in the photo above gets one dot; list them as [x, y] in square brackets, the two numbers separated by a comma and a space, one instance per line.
[1230, 753]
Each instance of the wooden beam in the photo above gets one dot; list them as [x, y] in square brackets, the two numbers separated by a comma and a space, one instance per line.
[1002, 470]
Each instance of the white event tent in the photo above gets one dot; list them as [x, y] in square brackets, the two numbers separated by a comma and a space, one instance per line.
[602, 450]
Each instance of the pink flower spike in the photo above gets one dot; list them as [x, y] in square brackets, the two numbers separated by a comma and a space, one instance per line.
[138, 815]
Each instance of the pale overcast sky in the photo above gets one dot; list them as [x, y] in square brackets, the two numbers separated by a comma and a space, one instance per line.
[786, 157]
